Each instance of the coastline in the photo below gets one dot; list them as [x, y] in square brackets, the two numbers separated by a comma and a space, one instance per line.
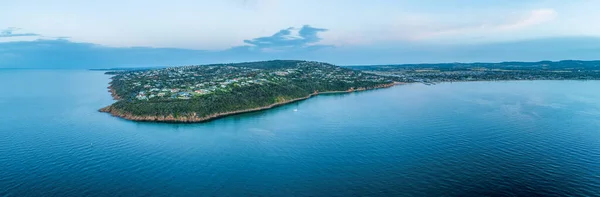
[113, 93]
[192, 118]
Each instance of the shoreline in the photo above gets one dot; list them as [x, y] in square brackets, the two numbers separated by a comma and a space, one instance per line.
[504, 80]
[113, 93]
[192, 118]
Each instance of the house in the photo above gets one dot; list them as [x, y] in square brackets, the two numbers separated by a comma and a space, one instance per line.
[281, 73]
[202, 91]
[141, 97]
[183, 94]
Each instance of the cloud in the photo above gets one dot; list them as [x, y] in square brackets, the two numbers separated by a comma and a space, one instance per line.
[257, 3]
[448, 28]
[535, 17]
[66, 54]
[290, 38]
[10, 32]
[290, 43]
[487, 26]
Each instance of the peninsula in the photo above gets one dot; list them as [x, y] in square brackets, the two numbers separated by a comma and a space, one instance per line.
[205, 92]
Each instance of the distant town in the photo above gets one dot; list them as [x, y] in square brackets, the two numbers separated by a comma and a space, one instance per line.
[456, 72]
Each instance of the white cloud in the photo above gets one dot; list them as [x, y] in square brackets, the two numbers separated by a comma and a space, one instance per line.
[490, 26]
[535, 17]
[444, 27]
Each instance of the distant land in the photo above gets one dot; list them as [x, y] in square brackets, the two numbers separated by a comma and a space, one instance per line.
[206, 92]
[125, 69]
[67, 54]
[456, 72]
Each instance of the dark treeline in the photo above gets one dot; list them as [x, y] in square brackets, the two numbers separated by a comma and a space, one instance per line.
[542, 65]
[238, 99]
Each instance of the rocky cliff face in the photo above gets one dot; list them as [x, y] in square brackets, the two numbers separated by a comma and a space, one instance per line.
[113, 93]
[189, 118]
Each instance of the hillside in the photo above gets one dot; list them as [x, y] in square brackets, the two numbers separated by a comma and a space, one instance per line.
[201, 93]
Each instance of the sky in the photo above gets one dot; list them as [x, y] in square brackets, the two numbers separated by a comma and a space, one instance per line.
[143, 33]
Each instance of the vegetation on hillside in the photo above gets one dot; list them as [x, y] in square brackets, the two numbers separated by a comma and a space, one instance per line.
[206, 90]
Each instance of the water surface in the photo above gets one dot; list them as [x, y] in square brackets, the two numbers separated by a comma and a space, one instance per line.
[455, 139]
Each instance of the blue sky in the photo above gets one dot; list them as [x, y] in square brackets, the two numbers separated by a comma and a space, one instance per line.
[129, 33]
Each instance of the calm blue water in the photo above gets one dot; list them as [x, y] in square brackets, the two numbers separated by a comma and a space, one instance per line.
[460, 139]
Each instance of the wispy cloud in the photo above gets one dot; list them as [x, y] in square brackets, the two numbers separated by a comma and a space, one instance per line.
[535, 17]
[257, 3]
[10, 32]
[290, 38]
[447, 28]
[531, 18]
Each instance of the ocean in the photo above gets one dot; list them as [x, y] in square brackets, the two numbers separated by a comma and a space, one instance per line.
[522, 138]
